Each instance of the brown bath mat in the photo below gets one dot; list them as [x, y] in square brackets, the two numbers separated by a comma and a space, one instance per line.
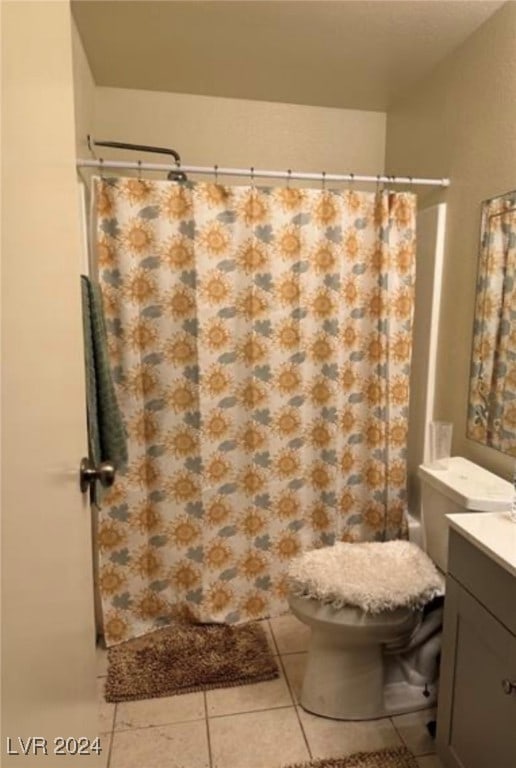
[184, 658]
[397, 757]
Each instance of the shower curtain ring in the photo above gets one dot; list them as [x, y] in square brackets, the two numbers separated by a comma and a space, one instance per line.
[252, 176]
[351, 181]
[139, 170]
[216, 171]
[323, 181]
[289, 178]
[101, 161]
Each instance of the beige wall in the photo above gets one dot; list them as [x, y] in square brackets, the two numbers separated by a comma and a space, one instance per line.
[241, 133]
[461, 122]
[84, 94]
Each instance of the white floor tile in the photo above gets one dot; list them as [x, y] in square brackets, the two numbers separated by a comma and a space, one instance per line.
[269, 694]
[332, 738]
[267, 629]
[181, 745]
[413, 731]
[295, 664]
[268, 739]
[291, 635]
[169, 709]
[430, 761]
[106, 710]
[105, 744]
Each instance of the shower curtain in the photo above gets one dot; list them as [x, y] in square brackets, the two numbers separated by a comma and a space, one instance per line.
[260, 341]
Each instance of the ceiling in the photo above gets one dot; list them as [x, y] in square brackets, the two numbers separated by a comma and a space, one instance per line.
[355, 54]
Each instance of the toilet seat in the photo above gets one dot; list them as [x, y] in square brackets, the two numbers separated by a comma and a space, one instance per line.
[374, 576]
[382, 627]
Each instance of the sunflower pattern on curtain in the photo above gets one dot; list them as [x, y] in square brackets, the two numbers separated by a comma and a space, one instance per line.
[260, 341]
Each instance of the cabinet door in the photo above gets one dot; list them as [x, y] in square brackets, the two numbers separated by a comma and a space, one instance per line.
[476, 718]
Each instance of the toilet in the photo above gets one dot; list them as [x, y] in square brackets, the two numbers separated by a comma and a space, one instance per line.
[375, 609]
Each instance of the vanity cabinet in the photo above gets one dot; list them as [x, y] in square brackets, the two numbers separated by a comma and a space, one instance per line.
[476, 714]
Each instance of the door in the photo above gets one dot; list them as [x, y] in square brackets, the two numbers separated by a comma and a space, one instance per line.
[48, 646]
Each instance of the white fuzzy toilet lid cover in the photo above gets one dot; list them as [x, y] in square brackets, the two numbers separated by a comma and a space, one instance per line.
[373, 576]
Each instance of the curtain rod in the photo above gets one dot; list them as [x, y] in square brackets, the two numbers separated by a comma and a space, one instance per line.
[253, 173]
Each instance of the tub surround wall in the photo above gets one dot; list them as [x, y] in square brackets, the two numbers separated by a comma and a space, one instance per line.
[431, 227]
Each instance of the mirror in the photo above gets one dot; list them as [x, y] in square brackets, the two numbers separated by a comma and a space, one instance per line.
[492, 394]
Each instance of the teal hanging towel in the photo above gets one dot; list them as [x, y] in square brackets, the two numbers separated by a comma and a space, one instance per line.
[106, 432]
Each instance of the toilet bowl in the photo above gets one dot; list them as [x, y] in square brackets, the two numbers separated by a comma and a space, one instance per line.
[345, 676]
[364, 663]
[344, 673]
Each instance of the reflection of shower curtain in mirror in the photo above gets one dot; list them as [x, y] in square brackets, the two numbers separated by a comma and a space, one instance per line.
[503, 382]
[494, 383]
[260, 341]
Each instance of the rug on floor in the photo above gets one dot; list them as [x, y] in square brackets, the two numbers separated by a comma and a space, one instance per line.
[394, 757]
[185, 658]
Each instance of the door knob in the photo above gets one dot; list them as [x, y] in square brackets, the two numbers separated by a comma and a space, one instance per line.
[89, 473]
[509, 686]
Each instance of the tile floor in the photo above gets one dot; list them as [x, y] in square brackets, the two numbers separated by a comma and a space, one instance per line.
[250, 726]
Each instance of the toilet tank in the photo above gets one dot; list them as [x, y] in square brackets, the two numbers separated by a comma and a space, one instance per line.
[461, 487]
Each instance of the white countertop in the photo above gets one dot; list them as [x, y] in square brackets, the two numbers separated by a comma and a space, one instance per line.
[492, 532]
